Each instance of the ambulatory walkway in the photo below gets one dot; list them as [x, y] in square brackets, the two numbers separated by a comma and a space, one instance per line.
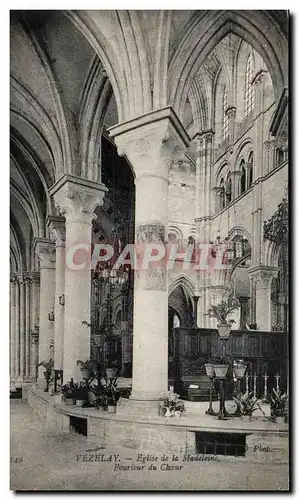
[42, 459]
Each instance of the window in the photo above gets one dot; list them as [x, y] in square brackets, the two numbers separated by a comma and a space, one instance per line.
[222, 194]
[225, 130]
[228, 190]
[250, 170]
[243, 176]
[249, 91]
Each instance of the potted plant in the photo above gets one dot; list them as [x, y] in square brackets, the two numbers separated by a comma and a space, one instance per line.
[221, 312]
[111, 372]
[247, 403]
[68, 391]
[81, 393]
[111, 393]
[170, 403]
[48, 365]
[90, 369]
[278, 402]
[179, 409]
[97, 397]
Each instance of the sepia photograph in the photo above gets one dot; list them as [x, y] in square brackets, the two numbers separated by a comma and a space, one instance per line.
[149, 250]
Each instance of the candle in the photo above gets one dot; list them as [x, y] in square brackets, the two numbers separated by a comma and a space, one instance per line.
[277, 381]
[265, 386]
[254, 384]
[246, 380]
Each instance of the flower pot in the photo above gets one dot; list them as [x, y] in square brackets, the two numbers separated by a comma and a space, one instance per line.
[85, 373]
[210, 370]
[101, 408]
[177, 414]
[111, 409]
[168, 413]
[58, 398]
[80, 402]
[220, 370]
[70, 401]
[111, 372]
[279, 420]
[224, 330]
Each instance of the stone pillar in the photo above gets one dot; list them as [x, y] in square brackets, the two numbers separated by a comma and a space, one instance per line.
[150, 143]
[17, 330]
[22, 324]
[27, 327]
[57, 227]
[236, 183]
[76, 200]
[45, 249]
[13, 285]
[263, 276]
[252, 317]
[231, 114]
[34, 352]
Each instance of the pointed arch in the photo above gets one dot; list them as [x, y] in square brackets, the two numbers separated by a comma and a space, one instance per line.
[213, 26]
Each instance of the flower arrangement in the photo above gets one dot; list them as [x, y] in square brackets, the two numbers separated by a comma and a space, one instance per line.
[170, 404]
[221, 311]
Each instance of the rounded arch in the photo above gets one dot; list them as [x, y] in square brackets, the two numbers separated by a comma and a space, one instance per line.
[214, 26]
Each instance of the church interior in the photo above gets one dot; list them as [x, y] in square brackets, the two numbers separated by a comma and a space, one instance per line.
[130, 127]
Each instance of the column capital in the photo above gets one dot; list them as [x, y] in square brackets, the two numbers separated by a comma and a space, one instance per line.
[56, 226]
[35, 335]
[259, 78]
[34, 276]
[263, 275]
[45, 250]
[13, 278]
[236, 173]
[20, 278]
[231, 112]
[151, 142]
[77, 198]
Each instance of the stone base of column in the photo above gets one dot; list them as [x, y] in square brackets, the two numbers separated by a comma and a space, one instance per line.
[134, 407]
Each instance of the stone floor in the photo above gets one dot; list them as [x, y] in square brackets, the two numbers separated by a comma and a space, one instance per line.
[44, 460]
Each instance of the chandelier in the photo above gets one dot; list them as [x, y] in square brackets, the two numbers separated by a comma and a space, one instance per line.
[276, 228]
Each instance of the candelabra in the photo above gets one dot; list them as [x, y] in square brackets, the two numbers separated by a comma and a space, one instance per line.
[211, 374]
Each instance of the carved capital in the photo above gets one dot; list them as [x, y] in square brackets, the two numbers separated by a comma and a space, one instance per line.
[35, 335]
[56, 226]
[231, 112]
[46, 253]
[77, 198]
[151, 142]
[263, 275]
[34, 277]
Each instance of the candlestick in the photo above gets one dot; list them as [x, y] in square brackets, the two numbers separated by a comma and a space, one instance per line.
[254, 384]
[247, 380]
[265, 386]
[277, 376]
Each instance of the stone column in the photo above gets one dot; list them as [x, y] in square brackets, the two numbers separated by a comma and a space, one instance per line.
[45, 249]
[57, 227]
[17, 329]
[263, 276]
[76, 200]
[12, 326]
[150, 143]
[236, 183]
[34, 352]
[27, 327]
[22, 324]
[231, 114]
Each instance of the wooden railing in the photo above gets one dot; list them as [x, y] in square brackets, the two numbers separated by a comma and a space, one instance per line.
[263, 352]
